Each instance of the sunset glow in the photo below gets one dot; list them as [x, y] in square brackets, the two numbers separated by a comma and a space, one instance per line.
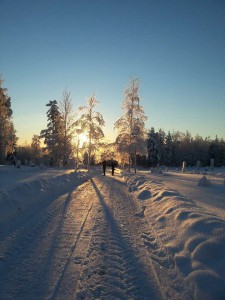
[82, 138]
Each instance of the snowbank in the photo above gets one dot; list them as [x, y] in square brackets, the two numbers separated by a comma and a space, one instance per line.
[194, 238]
[35, 190]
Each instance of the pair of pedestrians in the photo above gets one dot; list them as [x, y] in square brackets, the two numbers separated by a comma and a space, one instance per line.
[104, 167]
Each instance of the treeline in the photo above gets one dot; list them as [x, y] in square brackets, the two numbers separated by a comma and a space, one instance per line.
[59, 143]
[171, 149]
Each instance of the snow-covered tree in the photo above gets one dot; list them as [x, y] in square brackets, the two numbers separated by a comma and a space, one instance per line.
[36, 146]
[106, 151]
[8, 137]
[215, 151]
[153, 147]
[68, 126]
[131, 126]
[91, 123]
[200, 150]
[53, 134]
[168, 149]
[177, 156]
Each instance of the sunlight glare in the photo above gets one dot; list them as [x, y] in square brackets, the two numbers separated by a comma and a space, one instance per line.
[82, 139]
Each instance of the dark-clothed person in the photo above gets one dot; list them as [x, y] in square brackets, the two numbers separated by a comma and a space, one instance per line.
[113, 167]
[104, 166]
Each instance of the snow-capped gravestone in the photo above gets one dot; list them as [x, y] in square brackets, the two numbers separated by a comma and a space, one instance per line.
[204, 181]
[18, 164]
[211, 164]
[184, 167]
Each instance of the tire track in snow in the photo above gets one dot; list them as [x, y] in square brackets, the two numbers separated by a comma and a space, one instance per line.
[117, 265]
[35, 255]
[66, 285]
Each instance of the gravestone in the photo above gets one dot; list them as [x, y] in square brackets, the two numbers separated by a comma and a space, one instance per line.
[212, 164]
[184, 167]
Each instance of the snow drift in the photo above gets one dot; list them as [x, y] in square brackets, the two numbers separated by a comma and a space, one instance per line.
[30, 193]
[193, 237]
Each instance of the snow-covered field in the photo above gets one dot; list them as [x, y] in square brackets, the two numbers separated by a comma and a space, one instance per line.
[74, 235]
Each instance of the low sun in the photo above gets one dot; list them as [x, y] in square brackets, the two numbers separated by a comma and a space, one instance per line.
[82, 138]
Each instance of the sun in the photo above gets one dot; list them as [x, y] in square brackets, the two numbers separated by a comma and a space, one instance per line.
[82, 137]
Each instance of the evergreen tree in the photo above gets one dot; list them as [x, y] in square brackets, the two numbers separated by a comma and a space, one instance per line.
[200, 150]
[177, 156]
[215, 152]
[53, 136]
[161, 138]
[168, 149]
[153, 147]
[186, 147]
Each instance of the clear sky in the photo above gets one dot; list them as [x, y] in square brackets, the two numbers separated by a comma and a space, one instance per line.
[175, 47]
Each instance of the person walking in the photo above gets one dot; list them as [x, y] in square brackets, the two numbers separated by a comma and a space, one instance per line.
[113, 167]
[104, 166]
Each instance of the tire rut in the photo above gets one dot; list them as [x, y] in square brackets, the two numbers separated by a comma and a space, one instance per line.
[116, 265]
[35, 255]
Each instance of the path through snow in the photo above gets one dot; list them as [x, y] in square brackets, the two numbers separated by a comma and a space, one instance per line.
[80, 236]
[84, 244]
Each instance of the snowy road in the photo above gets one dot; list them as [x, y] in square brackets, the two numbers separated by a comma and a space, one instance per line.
[90, 243]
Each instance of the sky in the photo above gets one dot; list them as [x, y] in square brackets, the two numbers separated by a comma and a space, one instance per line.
[176, 48]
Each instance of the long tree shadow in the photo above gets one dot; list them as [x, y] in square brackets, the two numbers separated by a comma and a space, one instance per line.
[31, 257]
[130, 254]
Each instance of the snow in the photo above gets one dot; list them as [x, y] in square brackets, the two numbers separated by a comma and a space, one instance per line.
[67, 234]
[189, 227]
[24, 187]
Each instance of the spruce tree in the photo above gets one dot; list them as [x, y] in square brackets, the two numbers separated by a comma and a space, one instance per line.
[168, 149]
[53, 137]
[153, 147]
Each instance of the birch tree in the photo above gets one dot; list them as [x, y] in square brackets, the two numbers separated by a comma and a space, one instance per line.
[91, 123]
[131, 126]
[68, 130]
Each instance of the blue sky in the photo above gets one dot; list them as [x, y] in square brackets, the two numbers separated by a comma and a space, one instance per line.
[175, 47]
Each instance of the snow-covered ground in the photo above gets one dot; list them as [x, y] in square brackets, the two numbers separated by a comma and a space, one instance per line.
[188, 217]
[74, 235]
